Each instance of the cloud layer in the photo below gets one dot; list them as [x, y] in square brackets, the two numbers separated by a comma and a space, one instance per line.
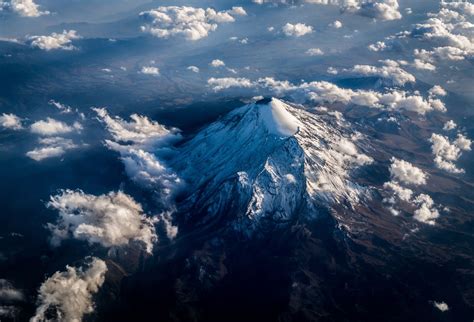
[322, 91]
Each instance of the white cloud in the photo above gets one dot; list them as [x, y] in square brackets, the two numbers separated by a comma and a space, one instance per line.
[350, 153]
[449, 125]
[391, 73]
[112, 219]
[138, 142]
[378, 46]
[24, 8]
[406, 172]
[146, 169]
[150, 70]
[336, 24]
[425, 209]
[63, 108]
[402, 193]
[9, 298]
[8, 293]
[442, 306]
[51, 147]
[55, 41]
[69, 294]
[423, 65]
[238, 11]
[448, 32]
[383, 10]
[194, 69]
[141, 132]
[11, 121]
[426, 213]
[447, 152]
[314, 52]
[322, 91]
[378, 9]
[51, 126]
[227, 82]
[437, 91]
[296, 30]
[217, 63]
[244, 41]
[463, 142]
[192, 23]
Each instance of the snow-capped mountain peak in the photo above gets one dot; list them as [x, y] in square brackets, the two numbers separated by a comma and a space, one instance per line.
[276, 118]
[268, 161]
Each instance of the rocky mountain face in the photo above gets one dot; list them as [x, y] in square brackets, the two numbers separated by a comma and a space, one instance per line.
[281, 220]
[269, 162]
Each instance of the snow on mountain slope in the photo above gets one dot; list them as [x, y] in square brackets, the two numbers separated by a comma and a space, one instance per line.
[268, 161]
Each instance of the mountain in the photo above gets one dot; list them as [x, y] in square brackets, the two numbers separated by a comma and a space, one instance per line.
[269, 162]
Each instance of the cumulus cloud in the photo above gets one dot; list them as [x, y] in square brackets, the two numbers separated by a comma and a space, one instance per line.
[63, 108]
[112, 219]
[8, 293]
[150, 70]
[381, 9]
[425, 209]
[400, 192]
[9, 298]
[437, 91]
[336, 24]
[68, 295]
[296, 30]
[407, 173]
[217, 63]
[51, 147]
[446, 152]
[426, 212]
[11, 121]
[138, 141]
[442, 306]
[377, 9]
[448, 34]
[194, 69]
[350, 153]
[403, 173]
[227, 82]
[322, 91]
[391, 73]
[189, 22]
[314, 52]
[449, 125]
[55, 41]
[51, 127]
[146, 169]
[140, 131]
[24, 8]
[379, 46]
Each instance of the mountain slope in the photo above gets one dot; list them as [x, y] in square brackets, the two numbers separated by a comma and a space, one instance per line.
[268, 161]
